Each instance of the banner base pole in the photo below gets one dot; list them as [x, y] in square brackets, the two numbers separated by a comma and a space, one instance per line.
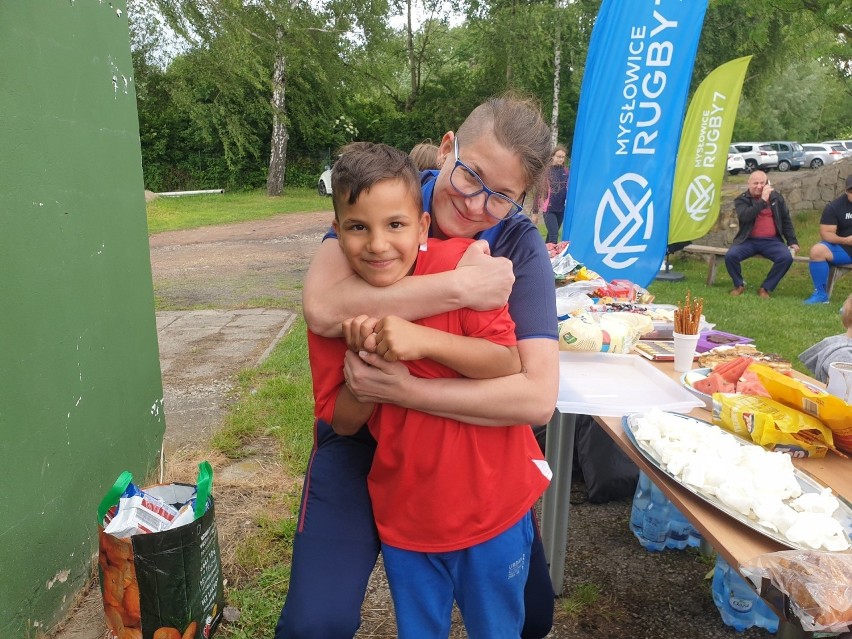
[670, 276]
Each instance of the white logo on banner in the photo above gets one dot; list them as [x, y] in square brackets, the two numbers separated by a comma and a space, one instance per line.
[699, 197]
[628, 202]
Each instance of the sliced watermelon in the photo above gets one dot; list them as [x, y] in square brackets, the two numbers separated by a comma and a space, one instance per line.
[736, 369]
[749, 384]
[714, 383]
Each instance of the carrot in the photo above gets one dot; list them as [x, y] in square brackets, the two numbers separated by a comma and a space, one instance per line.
[132, 614]
[189, 633]
[113, 586]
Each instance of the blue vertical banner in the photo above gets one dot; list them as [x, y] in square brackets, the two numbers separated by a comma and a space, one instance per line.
[626, 137]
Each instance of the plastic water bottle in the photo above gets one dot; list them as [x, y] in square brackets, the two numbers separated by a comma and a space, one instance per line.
[666, 519]
[740, 606]
[641, 499]
[655, 524]
[679, 530]
[695, 538]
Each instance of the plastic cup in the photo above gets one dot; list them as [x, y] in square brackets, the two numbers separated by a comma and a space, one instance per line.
[684, 351]
[840, 380]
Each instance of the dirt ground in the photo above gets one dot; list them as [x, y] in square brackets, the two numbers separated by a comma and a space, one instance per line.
[236, 265]
[662, 595]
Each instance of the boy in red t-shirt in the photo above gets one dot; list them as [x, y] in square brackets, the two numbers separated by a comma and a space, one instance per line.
[451, 500]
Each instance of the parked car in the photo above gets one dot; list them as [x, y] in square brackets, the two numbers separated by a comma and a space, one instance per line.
[324, 183]
[846, 144]
[791, 155]
[757, 155]
[736, 161]
[819, 154]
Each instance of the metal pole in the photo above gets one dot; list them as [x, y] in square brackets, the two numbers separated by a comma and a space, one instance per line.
[556, 501]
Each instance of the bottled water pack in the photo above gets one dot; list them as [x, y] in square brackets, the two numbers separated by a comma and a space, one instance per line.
[740, 606]
[656, 522]
[657, 525]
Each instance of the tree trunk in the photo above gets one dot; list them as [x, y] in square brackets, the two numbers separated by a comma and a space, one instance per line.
[280, 136]
[557, 63]
[412, 63]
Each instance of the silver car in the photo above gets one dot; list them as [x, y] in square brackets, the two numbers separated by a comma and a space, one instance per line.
[846, 144]
[817, 155]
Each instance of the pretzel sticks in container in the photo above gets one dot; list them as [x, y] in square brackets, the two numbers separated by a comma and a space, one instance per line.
[687, 315]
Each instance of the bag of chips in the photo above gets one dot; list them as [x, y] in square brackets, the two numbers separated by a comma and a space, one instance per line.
[771, 424]
[830, 410]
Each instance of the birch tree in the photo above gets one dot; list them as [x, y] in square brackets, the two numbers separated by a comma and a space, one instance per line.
[259, 40]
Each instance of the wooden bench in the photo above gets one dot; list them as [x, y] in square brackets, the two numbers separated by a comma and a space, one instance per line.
[712, 253]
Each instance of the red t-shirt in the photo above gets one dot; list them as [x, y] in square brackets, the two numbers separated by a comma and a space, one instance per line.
[438, 484]
[764, 224]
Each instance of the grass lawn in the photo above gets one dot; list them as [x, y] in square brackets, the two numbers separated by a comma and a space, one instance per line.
[192, 211]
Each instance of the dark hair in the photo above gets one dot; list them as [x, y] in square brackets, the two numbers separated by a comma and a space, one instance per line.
[425, 155]
[517, 124]
[361, 165]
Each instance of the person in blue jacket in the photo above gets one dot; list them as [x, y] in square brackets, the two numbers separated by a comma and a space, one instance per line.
[554, 213]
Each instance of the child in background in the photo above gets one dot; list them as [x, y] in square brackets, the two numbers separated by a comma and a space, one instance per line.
[425, 155]
[451, 500]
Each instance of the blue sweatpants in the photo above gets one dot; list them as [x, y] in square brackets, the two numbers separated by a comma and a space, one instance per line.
[336, 546]
[487, 581]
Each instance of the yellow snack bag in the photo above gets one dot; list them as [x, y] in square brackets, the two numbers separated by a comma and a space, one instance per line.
[771, 424]
[830, 410]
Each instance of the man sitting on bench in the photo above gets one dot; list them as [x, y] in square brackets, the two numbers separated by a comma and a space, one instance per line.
[765, 229]
[835, 231]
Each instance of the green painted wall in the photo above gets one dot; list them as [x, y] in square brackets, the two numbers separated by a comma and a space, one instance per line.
[80, 387]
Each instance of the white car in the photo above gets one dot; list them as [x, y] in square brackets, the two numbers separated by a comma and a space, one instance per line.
[324, 183]
[846, 144]
[757, 155]
[817, 155]
[736, 162]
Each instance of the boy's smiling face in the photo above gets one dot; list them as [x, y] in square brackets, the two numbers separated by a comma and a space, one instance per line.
[381, 233]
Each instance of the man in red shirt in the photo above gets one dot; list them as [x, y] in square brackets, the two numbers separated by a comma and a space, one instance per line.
[765, 229]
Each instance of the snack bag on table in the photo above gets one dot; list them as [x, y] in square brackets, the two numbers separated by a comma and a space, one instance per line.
[831, 410]
[772, 425]
[611, 333]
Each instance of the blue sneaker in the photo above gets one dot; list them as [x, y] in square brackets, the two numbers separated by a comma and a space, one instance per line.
[818, 297]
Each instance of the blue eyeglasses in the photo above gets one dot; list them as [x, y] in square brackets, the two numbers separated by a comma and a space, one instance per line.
[466, 181]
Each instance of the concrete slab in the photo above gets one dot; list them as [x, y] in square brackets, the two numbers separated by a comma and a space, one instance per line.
[201, 353]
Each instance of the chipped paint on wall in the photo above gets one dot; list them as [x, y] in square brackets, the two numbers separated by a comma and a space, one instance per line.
[61, 577]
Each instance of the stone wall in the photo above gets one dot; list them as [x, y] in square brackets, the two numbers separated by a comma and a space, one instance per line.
[803, 190]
